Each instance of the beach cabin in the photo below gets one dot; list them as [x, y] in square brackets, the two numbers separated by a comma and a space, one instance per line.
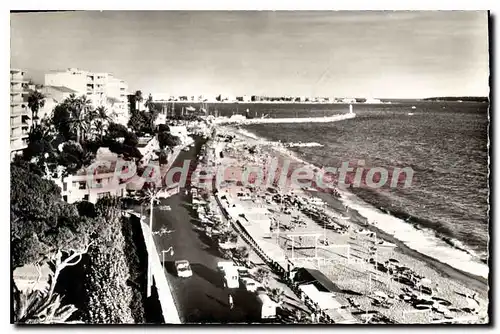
[321, 291]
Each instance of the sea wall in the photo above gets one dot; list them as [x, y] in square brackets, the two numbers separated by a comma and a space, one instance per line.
[328, 119]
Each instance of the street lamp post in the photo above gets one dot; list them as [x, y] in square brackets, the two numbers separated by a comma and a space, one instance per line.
[152, 197]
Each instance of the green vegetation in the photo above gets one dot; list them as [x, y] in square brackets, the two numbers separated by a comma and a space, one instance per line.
[113, 294]
[96, 239]
[45, 229]
[37, 308]
[36, 101]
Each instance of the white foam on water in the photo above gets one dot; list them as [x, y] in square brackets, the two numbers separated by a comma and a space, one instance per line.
[423, 241]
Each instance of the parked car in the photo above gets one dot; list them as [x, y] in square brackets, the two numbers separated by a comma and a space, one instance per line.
[183, 268]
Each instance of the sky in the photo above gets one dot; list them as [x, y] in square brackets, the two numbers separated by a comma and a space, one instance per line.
[315, 53]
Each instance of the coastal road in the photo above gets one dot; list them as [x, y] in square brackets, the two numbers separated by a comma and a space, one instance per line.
[202, 297]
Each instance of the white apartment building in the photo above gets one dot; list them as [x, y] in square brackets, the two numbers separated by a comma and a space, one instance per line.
[76, 188]
[20, 115]
[103, 89]
[54, 95]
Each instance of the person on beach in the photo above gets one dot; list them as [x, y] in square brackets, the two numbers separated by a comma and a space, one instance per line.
[231, 304]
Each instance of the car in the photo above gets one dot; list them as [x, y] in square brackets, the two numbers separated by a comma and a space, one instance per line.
[183, 268]
[250, 284]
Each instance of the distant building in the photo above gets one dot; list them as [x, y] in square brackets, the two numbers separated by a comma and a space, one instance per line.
[20, 115]
[349, 100]
[373, 101]
[103, 89]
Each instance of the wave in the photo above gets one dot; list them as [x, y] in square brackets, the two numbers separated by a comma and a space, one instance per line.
[249, 134]
[300, 144]
[421, 239]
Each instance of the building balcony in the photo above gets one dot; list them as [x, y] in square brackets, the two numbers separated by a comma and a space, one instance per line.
[16, 102]
[15, 135]
[17, 80]
[18, 144]
[17, 90]
[18, 110]
[16, 124]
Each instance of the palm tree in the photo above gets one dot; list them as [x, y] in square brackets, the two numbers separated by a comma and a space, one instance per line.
[39, 307]
[36, 101]
[138, 99]
[150, 194]
[79, 108]
[100, 119]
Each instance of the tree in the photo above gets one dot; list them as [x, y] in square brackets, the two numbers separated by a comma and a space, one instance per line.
[241, 254]
[262, 275]
[149, 103]
[142, 122]
[40, 143]
[138, 99]
[43, 227]
[79, 119]
[121, 141]
[167, 140]
[277, 295]
[163, 128]
[74, 157]
[61, 120]
[35, 307]
[36, 101]
[100, 120]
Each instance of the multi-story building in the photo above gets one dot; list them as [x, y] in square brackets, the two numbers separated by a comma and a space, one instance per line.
[103, 89]
[82, 187]
[54, 95]
[20, 115]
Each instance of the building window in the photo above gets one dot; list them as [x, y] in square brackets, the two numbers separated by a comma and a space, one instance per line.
[82, 185]
[86, 197]
[65, 186]
[65, 198]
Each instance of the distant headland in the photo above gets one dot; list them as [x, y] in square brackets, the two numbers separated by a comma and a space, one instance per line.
[458, 98]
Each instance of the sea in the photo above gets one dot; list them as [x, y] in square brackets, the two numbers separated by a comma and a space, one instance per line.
[444, 212]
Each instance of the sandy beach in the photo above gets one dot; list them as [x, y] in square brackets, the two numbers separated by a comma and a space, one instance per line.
[352, 253]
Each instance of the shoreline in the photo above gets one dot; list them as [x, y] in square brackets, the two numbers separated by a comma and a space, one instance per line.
[420, 233]
[452, 282]
[480, 284]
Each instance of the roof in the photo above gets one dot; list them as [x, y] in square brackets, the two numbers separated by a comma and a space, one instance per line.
[62, 89]
[113, 99]
[316, 277]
